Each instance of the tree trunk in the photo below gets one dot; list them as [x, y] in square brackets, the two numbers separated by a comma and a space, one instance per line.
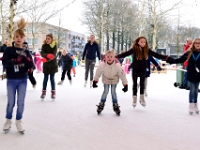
[11, 22]
[108, 40]
[118, 41]
[122, 38]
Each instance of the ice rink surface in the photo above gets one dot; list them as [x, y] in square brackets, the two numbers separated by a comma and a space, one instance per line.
[71, 122]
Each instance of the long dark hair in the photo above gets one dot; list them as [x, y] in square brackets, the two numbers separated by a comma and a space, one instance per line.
[138, 50]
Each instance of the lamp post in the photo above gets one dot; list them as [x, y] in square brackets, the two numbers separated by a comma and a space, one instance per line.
[11, 20]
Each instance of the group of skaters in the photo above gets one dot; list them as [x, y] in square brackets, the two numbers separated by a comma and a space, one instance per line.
[18, 63]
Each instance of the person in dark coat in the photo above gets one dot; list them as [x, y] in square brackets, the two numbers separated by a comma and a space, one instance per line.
[50, 65]
[193, 72]
[3, 47]
[90, 51]
[66, 62]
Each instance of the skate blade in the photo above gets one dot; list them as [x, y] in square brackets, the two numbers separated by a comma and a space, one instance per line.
[6, 130]
[22, 132]
[190, 113]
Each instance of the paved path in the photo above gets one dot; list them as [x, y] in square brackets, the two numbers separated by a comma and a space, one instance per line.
[71, 122]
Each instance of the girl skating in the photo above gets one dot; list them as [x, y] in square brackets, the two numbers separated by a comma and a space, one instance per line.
[111, 73]
[140, 51]
[17, 61]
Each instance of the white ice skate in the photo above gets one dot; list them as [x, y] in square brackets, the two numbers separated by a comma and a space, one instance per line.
[85, 83]
[70, 82]
[19, 126]
[145, 93]
[191, 108]
[91, 82]
[142, 101]
[60, 83]
[196, 109]
[7, 125]
[134, 101]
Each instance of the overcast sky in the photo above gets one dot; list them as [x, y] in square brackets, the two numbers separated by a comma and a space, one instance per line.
[72, 15]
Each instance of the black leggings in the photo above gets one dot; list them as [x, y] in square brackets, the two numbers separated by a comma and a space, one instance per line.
[31, 78]
[68, 74]
[141, 74]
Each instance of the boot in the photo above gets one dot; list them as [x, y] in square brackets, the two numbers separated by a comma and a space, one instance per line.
[7, 125]
[196, 109]
[134, 101]
[191, 108]
[85, 83]
[60, 83]
[142, 101]
[19, 126]
[100, 107]
[53, 94]
[116, 108]
[43, 94]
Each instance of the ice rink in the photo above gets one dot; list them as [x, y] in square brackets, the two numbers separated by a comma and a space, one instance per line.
[71, 122]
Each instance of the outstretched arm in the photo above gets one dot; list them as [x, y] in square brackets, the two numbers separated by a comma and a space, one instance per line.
[157, 55]
[129, 52]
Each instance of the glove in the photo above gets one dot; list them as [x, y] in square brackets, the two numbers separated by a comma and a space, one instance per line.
[125, 89]
[94, 85]
[43, 60]
[159, 68]
[50, 56]
[170, 60]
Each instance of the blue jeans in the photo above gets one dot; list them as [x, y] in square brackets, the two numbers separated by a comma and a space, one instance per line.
[113, 92]
[13, 86]
[193, 92]
[46, 78]
[185, 78]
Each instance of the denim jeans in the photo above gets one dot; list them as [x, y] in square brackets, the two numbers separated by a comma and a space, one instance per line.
[194, 86]
[113, 92]
[13, 86]
[46, 78]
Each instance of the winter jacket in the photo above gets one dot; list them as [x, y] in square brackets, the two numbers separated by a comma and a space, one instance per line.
[192, 74]
[90, 51]
[66, 62]
[140, 64]
[110, 73]
[3, 48]
[186, 47]
[17, 70]
[51, 66]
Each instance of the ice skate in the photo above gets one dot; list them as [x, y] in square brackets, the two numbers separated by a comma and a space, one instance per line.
[34, 86]
[85, 83]
[145, 93]
[134, 101]
[60, 82]
[7, 125]
[53, 94]
[116, 108]
[70, 82]
[142, 101]
[91, 82]
[100, 107]
[43, 94]
[196, 109]
[191, 108]
[19, 126]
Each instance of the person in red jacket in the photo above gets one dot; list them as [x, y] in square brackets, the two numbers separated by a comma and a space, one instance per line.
[185, 65]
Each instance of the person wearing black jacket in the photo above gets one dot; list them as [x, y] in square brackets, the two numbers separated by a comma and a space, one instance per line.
[66, 62]
[3, 47]
[90, 51]
[17, 62]
[140, 51]
[192, 55]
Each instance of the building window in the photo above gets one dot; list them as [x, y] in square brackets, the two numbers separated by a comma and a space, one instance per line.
[36, 41]
[29, 40]
[69, 45]
[51, 31]
[69, 36]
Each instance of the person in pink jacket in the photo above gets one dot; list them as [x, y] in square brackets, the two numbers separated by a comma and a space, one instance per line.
[38, 61]
[111, 71]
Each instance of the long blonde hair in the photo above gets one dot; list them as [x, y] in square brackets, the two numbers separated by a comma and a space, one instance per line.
[138, 50]
[192, 48]
[21, 24]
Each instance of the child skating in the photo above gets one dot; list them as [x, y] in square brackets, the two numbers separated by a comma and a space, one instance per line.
[140, 51]
[17, 61]
[50, 66]
[193, 72]
[66, 63]
[111, 72]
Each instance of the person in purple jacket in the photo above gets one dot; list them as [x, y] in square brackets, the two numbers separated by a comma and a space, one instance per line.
[90, 51]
